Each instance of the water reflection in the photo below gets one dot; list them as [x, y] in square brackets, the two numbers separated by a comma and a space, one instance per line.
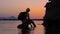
[10, 27]
[38, 30]
[26, 31]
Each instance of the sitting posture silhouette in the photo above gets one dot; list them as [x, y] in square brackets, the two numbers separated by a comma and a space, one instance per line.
[24, 17]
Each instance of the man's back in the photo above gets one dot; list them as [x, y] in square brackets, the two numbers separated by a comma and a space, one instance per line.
[22, 16]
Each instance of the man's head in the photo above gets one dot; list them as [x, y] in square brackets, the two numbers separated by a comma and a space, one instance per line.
[28, 9]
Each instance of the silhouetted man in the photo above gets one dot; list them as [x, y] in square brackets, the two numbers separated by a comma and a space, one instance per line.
[24, 17]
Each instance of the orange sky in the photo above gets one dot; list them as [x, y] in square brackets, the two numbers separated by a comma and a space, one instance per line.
[13, 7]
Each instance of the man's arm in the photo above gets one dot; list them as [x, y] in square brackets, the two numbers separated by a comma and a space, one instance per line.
[28, 17]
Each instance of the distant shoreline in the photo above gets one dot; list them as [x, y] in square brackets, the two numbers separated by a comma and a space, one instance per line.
[17, 19]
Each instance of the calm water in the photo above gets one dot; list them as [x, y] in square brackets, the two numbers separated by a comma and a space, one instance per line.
[10, 27]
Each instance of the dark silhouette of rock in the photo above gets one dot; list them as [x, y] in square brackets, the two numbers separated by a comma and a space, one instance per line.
[52, 17]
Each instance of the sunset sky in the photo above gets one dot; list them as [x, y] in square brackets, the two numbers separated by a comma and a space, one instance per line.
[13, 7]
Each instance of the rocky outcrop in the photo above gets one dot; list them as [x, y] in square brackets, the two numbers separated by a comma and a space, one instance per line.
[52, 17]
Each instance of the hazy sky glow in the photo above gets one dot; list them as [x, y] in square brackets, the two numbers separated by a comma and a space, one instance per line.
[13, 7]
